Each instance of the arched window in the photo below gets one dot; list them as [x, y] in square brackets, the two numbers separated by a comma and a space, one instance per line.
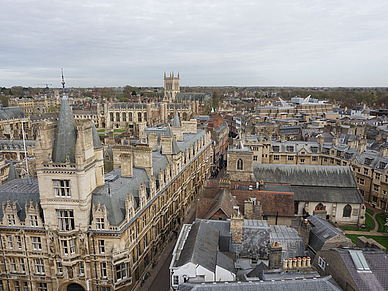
[239, 164]
[347, 211]
[319, 207]
[130, 116]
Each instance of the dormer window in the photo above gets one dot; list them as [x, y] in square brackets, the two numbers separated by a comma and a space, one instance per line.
[314, 149]
[276, 148]
[100, 223]
[34, 220]
[368, 161]
[62, 188]
[290, 148]
[382, 165]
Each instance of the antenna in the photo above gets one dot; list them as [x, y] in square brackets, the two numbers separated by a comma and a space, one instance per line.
[25, 155]
[63, 80]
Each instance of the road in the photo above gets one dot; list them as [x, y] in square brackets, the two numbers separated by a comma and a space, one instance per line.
[162, 279]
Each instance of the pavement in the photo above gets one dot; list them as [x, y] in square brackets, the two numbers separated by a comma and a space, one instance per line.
[160, 274]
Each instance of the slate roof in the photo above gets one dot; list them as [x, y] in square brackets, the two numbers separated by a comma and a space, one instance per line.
[12, 174]
[321, 284]
[258, 271]
[96, 138]
[113, 194]
[224, 201]
[176, 121]
[225, 262]
[19, 191]
[377, 262]
[292, 244]
[66, 134]
[321, 232]
[200, 247]
[312, 183]
[191, 97]
[11, 112]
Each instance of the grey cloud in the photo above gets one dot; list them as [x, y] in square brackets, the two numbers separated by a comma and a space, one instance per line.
[113, 43]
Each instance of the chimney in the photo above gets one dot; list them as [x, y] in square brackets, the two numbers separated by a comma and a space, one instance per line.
[275, 256]
[308, 262]
[248, 209]
[361, 146]
[153, 141]
[285, 261]
[304, 260]
[126, 165]
[236, 228]
[224, 183]
[320, 138]
[335, 140]
[383, 151]
[299, 262]
[290, 263]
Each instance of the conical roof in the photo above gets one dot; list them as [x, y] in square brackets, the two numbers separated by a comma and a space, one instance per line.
[176, 121]
[96, 138]
[12, 174]
[66, 135]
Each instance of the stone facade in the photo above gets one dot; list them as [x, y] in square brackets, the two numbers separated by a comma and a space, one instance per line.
[79, 227]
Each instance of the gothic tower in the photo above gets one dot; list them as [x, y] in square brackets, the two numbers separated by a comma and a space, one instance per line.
[171, 87]
[69, 162]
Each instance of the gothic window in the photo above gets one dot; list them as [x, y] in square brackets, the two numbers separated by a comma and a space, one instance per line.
[111, 117]
[320, 206]
[347, 211]
[66, 220]
[62, 188]
[130, 116]
[118, 116]
[139, 119]
[145, 115]
[239, 164]
[124, 116]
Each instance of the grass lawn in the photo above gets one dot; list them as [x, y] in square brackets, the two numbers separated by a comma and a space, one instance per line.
[381, 219]
[370, 211]
[369, 225]
[380, 239]
[119, 130]
[101, 130]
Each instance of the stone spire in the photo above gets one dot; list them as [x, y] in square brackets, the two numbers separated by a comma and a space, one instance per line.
[12, 174]
[176, 121]
[66, 134]
[96, 138]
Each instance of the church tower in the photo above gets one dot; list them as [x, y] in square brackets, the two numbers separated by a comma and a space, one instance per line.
[171, 87]
[69, 162]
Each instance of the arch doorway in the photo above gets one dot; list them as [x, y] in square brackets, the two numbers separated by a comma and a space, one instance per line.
[74, 287]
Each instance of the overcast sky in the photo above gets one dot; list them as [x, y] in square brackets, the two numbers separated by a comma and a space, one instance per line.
[261, 43]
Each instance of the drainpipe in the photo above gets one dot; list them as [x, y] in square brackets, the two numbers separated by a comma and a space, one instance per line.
[95, 263]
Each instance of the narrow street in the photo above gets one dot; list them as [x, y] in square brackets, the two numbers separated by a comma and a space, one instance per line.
[160, 278]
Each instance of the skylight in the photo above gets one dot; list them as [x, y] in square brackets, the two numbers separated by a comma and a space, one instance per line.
[359, 261]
